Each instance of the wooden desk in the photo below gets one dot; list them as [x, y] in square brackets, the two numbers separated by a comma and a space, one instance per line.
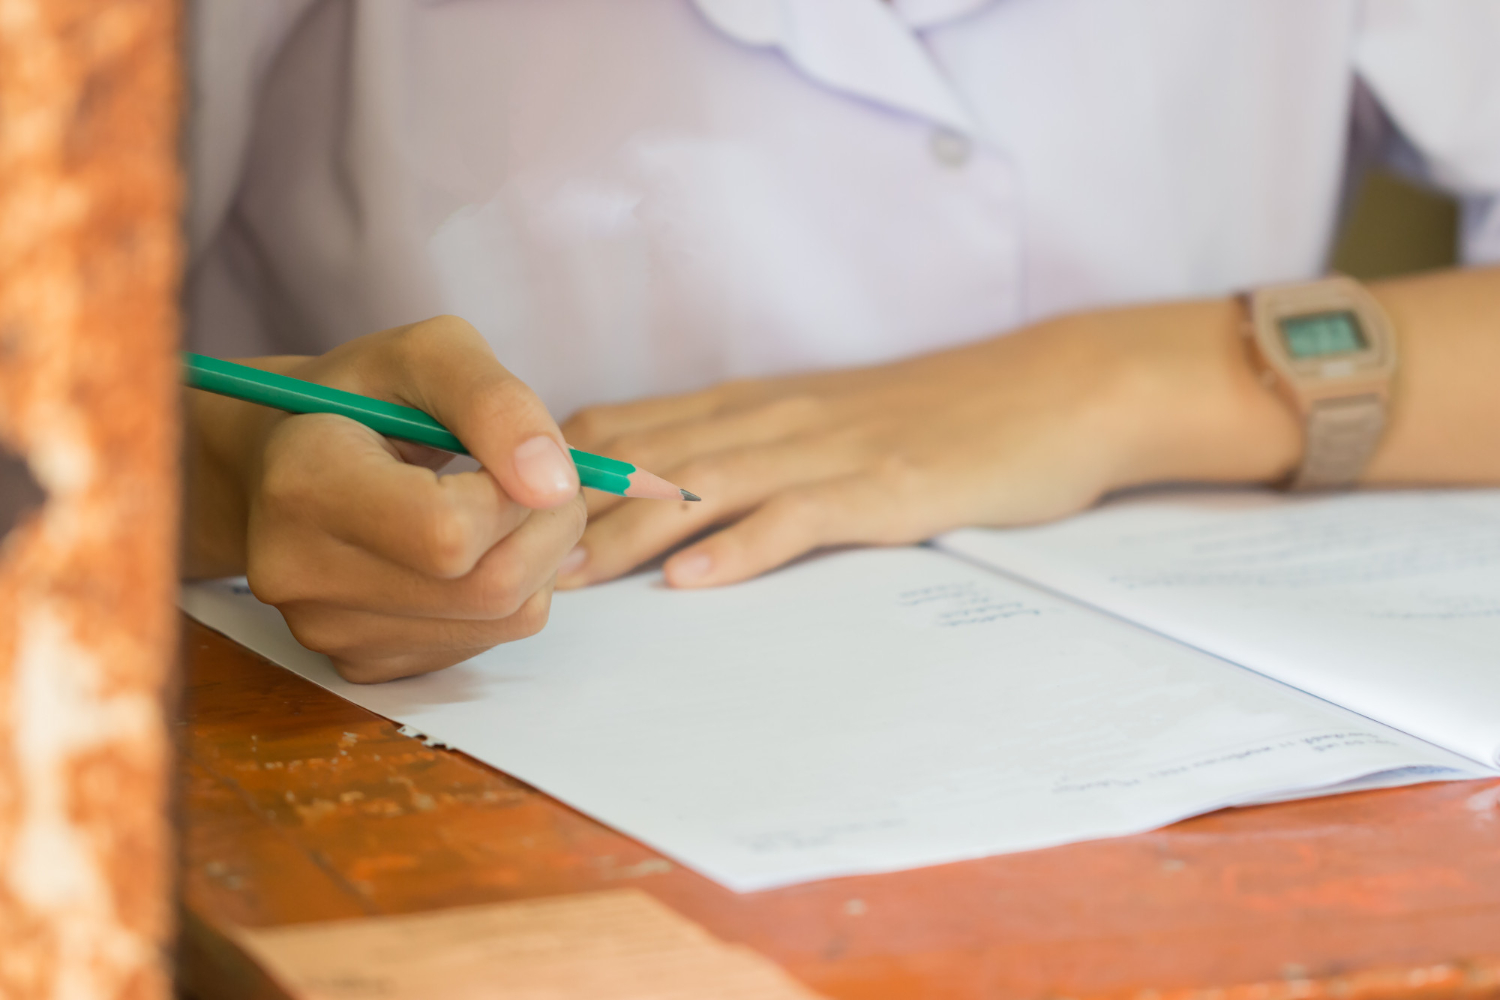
[299, 806]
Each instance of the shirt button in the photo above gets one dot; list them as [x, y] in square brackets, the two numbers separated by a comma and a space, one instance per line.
[951, 148]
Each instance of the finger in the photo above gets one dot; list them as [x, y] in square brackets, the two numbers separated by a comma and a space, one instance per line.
[733, 482]
[335, 474]
[381, 669]
[853, 509]
[445, 368]
[368, 648]
[362, 635]
[672, 445]
[302, 565]
[591, 427]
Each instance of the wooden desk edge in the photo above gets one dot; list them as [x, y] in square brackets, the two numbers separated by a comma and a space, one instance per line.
[212, 966]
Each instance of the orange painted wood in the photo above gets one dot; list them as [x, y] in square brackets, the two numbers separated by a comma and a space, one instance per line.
[299, 806]
[90, 246]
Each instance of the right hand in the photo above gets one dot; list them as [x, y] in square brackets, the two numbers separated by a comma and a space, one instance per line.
[371, 556]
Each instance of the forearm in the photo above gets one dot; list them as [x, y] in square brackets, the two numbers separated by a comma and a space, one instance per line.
[1445, 406]
[1193, 407]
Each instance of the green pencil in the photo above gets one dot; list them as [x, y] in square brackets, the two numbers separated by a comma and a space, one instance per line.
[295, 395]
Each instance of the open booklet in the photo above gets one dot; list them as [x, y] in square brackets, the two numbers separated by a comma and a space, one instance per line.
[881, 709]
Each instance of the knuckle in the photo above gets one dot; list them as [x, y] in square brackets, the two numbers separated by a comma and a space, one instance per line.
[588, 426]
[449, 324]
[500, 400]
[297, 459]
[803, 506]
[714, 475]
[498, 589]
[372, 671]
[531, 617]
[317, 632]
[417, 345]
[283, 484]
[447, 545]
[736, 391]
[355, 672]
[800, 410]
[410, 344]
[270, 575]
[634, 447]
[897, 473]
[418, 339]
[802, 513]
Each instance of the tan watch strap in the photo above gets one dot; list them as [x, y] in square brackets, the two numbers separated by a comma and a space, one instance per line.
[1341, 436]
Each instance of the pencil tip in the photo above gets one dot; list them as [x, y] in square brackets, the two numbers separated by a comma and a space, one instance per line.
[689, 496]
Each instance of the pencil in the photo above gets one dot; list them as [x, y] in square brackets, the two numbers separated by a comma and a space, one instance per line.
[295, 395]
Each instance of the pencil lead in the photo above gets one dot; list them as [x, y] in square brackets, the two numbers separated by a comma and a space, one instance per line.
[689, 496]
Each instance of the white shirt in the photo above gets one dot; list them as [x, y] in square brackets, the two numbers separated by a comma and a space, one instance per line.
[631, 197]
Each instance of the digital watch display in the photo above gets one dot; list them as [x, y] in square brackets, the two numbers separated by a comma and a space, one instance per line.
[1322, 334]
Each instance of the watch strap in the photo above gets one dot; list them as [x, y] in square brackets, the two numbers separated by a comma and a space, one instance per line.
[1341, 435]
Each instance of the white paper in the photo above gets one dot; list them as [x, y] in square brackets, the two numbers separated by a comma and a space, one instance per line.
[861, 712]
[1387, 603]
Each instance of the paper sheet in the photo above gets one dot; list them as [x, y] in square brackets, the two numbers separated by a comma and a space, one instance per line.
[1387, 603]
[866, 711]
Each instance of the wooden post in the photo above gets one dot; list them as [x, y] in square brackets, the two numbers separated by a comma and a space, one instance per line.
[89, 256]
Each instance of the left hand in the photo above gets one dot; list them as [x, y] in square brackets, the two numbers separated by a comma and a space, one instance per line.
[1023, 428]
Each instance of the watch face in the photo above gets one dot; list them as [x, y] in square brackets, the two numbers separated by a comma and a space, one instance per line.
[1317, 335]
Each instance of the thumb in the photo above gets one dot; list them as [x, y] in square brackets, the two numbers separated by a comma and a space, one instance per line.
[445, 368]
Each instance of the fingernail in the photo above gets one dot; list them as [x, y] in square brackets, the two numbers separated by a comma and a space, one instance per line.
[573, 561]
[689, 569]
[542, 465]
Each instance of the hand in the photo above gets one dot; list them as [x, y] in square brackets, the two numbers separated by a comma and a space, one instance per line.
[371, 556]
[1019, 429]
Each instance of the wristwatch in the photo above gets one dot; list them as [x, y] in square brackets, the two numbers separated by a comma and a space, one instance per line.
[1327, 347]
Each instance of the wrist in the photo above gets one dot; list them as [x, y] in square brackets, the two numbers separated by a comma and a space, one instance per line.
[213, 537]
[223, 440]
[1201, 412]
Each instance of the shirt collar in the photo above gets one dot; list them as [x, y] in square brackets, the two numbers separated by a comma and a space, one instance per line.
[866, 48]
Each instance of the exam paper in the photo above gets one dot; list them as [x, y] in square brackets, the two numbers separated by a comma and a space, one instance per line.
[861, 712]
[1387, 603]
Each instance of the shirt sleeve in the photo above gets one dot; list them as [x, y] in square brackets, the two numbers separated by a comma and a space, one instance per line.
[233, 44]
[1434, 65]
